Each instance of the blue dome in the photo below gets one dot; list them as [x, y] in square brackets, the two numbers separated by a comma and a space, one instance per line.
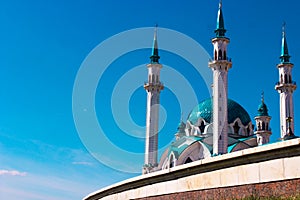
[262, 110]
[204, 110]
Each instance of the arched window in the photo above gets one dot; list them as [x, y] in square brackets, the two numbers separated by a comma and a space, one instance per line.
[202, 127]
[285, 79]
[281, 79]
[267, 126]
[225, 56]
[236, 128]
[216, 55]
[172, 162]
[188, 160]
[290, 79]
[263, 126]
[259, 126]
[220, 55]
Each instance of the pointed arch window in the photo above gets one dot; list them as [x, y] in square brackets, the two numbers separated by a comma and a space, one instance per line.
[285, 79]
[220, 55]
[216, 55]
[236, 128]
[259, 126]
[225, 56]
[172, 161]
[188, 160]
[290, 79]
[267, 126]
[263, 126]
[202, 127]
[281, 79]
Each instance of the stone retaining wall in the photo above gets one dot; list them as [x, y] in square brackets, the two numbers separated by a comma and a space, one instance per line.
[282, 189]
[269, 170]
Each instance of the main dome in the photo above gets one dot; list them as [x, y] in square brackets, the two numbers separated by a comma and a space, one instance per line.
[204, 110]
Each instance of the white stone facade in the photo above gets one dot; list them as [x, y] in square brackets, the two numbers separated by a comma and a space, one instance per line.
[220, 66]
[285, 88]
[263, 131]
[153, 88]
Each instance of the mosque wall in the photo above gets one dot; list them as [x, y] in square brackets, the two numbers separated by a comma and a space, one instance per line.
[283, 189]
[268, 170]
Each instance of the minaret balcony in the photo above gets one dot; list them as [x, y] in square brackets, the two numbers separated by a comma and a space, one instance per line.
[153, 86]
[220, 60]
[291, 85]
[220, 64]
[261, 130]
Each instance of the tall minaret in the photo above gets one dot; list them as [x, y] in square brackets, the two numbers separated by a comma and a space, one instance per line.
[220, 66]
[285, 87]
[263, 130]
[153, 88]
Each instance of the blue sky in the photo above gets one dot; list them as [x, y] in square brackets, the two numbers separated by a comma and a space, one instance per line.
[43, 46]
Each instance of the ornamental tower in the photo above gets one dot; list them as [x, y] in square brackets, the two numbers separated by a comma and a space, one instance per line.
[285, 87]
[220, 66]
[180, 130]
[153, 88]
[263, 130]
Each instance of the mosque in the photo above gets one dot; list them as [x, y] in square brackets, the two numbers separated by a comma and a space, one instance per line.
[217, 125]
[215, 153]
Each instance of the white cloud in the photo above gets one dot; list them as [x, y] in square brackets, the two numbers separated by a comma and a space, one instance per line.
[43, 186]
[50, 171]
[12, 173]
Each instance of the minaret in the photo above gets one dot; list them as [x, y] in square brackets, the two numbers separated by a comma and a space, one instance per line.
[285, 87]
[220, 66]
[263, 130]
[153, 88]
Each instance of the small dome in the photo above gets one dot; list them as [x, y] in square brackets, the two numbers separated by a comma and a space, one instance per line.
[262, 109]
[204, 110]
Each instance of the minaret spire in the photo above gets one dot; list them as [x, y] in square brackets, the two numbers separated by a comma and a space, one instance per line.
[153, 88]
[155, 57]
[286, 87]
[220, 30]
[284, 57]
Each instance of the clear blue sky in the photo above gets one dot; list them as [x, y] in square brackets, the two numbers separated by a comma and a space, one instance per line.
[43, 44]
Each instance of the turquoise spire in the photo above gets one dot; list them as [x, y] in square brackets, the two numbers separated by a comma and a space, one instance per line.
[220, 30]
[262, 108]
[181, 127]
[284, 57]
[155, 57]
